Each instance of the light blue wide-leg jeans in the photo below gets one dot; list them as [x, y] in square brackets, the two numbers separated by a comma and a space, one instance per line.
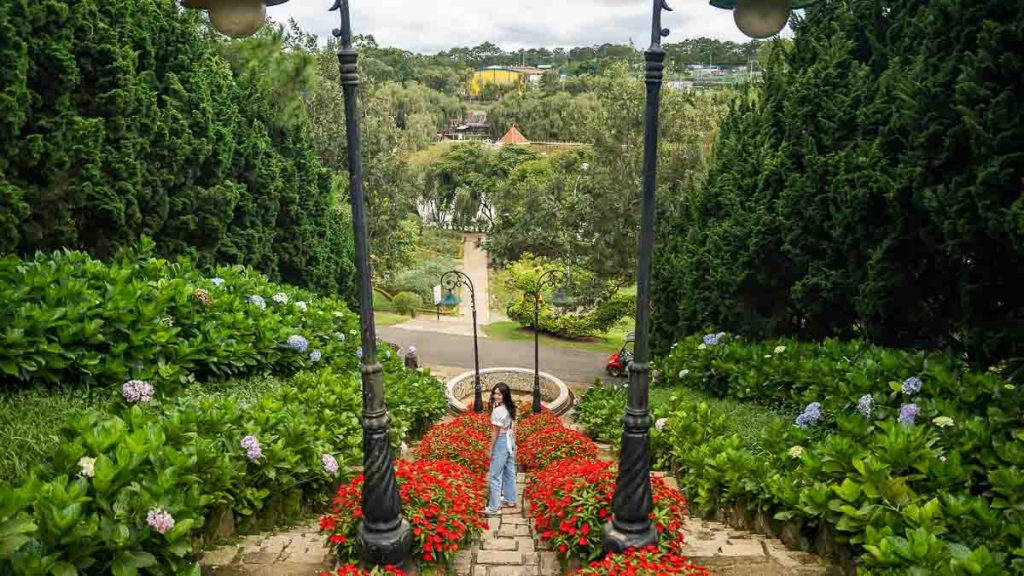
[501, 477]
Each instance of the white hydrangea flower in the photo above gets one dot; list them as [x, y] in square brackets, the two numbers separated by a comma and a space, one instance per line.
[88, 467]
[780, 349]
[796, 452]
[660, 424]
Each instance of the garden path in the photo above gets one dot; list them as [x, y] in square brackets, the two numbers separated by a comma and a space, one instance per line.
[475, 265]
[510, 547]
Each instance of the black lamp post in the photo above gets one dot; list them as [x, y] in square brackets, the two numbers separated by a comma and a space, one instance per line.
[384, 536]
[550, 277]
[451, 280]
[630, 525]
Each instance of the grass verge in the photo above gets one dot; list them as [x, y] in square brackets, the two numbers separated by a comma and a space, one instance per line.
[508, 330]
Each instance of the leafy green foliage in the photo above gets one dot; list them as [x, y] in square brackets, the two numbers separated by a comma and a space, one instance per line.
[71, 320]
[407, 303]
[941, 495]
[186, 457]
[869, 188]
[125, 119]
[595, 305]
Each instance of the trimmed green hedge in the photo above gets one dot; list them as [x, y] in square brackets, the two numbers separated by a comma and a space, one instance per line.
[943, 494]
[569, 324]
[71, 320]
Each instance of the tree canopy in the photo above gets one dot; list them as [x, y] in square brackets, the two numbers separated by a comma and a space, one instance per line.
[871, 186]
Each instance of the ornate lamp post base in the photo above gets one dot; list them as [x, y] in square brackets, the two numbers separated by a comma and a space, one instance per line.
[617, 541]
[392, 547]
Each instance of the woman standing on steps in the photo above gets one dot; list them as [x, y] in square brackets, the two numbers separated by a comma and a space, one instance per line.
[501, 478]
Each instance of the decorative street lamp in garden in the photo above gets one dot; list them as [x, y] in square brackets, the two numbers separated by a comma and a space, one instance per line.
[552, 277]
[384, 536]
[630, 525]
[451, 280]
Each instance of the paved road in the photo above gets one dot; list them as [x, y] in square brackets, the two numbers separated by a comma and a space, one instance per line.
[451, 350]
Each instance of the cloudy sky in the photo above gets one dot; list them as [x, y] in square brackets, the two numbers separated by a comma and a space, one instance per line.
[434, 25]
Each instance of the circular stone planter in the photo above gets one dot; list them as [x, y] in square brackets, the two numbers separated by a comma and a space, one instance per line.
[554, 394]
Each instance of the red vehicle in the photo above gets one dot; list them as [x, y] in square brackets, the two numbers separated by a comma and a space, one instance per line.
[618, 363]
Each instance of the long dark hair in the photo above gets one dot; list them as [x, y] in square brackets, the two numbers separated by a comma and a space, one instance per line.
[506, 398]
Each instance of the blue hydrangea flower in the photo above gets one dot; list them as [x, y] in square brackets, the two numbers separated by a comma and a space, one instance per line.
[711, 339]
[315, 356]
[298, 343]
[810, 415]
[359, 352]
[217, 281]
[907, 413]
[911, 385]
[865, 405]
[258, 301]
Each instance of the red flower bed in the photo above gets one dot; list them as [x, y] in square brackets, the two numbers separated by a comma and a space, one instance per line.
[465, 440]
[442, 500]
[644, 562]
[571, 501]
[353, 570]
[539, 447]
[530, 424]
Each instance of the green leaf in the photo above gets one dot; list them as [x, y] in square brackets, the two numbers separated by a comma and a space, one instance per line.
[63, 568]
[124, 565]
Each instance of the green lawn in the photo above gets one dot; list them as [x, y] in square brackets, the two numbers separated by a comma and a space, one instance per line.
[384, 318]
[607, 343]
[31, 420]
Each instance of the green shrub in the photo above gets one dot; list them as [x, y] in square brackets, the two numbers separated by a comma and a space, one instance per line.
[186, 457]
[941, 495]
[407, 303]
[71, 320]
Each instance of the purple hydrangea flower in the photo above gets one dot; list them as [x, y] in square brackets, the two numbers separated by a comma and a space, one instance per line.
[252, 447]
[137, 391]
[160, 520]
[865, 405]
[911, 385]
[907, 413]
[258, 301]
[315, 356]
[711, 339]
[810, 415]
[330, 464]
[298, 343]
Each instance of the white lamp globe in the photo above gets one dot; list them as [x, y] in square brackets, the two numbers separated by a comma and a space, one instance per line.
[237, 18]
[761, 18]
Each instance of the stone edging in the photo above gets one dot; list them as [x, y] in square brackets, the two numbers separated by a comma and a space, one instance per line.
[562, 402]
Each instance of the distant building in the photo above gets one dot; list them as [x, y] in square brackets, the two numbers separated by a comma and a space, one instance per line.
[518, 76]
[513, 136]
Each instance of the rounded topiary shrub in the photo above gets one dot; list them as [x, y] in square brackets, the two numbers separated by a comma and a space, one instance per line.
[407, 303]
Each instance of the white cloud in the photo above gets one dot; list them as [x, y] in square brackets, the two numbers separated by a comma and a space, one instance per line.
[434, 25]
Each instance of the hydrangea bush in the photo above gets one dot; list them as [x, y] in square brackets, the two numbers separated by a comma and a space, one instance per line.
[874, 442]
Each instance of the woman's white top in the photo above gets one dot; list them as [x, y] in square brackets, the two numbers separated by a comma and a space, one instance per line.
[501, 418]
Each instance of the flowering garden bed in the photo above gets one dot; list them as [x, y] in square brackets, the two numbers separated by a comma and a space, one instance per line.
[443, 494]
[907, 460]
[139, 481]
[570, 494]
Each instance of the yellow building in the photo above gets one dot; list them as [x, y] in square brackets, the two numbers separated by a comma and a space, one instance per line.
[495, 75]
